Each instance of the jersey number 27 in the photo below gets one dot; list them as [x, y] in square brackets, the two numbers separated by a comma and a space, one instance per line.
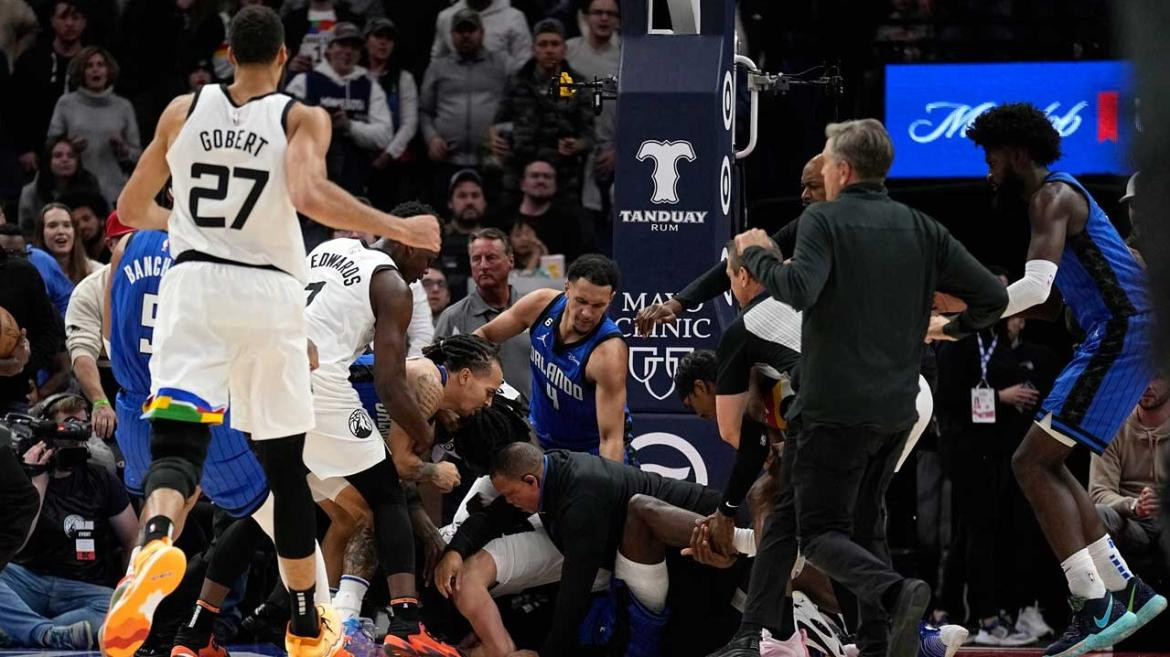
[219, 192]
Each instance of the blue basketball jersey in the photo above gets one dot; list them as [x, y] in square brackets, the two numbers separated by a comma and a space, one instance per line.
[133, 306]
[1098, 275]
[563, 405]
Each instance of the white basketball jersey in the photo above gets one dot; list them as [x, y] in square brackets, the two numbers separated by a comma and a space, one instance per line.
[339, 317]
[231, 198]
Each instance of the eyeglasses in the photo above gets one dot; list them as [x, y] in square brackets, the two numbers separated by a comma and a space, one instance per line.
[605, 12]
[431, 283]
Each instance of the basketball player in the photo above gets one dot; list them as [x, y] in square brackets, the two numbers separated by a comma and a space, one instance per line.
[243, 160]
[578, 396]
[1075, 246]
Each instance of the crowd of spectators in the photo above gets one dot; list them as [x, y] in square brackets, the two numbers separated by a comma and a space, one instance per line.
[451, 103]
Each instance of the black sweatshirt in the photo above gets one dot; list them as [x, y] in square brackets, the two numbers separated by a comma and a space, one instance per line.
[714, 282]
[22, 293]
[864, 272]
[583, 508]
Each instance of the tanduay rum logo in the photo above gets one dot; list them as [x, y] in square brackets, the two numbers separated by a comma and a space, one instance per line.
[665, 155]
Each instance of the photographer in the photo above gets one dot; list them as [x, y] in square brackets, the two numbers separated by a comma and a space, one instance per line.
[56, 590]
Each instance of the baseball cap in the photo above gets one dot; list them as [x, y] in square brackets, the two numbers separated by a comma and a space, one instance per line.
[345, 32]
[114, 226]
[464, 175]
[549, 26]
[1130, 189]
[381, 25]
[466, 16]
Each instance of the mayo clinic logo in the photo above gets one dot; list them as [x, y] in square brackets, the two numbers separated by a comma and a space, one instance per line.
[696, 469]
[644, 362]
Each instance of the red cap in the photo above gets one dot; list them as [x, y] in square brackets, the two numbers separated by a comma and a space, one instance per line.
[115, 228]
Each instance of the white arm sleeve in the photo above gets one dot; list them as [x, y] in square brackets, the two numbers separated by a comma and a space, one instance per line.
[744, 540]
[1032, 289]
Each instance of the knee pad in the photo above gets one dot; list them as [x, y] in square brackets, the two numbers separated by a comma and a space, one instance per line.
[177, 452]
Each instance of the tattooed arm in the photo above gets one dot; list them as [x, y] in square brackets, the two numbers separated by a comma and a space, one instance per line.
[424, 380]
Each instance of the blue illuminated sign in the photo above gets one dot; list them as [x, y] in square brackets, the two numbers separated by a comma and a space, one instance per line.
[929, 106]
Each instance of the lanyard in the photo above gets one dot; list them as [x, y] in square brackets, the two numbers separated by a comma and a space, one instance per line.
[985, 356]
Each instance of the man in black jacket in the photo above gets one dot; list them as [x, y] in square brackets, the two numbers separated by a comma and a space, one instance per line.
[582, 502]
[863, 272]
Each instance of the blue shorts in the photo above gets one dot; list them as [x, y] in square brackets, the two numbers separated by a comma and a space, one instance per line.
[232, 477]
[1099, 389]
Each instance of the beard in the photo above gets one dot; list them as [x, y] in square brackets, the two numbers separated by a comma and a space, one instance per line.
[1009, 194]
[1153, 403]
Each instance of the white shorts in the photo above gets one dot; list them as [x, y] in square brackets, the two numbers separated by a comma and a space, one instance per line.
[343, 442]
[528, 560]
[327, 488]
[227, 333]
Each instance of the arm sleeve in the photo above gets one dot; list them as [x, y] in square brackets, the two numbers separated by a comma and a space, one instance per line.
[960, 274]
[706, 287]
[1105, 481]
[375, 132]
[407, 116]
[421, 332]
[749, 459]
[83, 320]
[583, 528]
[799, 283]
[1033, 289]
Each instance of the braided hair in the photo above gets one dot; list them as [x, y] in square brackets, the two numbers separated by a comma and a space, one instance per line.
[463, 351]
[479, 437]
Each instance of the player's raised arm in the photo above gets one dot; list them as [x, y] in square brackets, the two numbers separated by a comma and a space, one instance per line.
[137, 207]
[312, 194]
[520, 316]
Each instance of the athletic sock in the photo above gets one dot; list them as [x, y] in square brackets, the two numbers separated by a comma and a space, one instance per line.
[1083, 580]
[304, 620]
[1111, 566]
[197, 632]
[404, 615]
[156, 528]
[348, 599]
[648, 582]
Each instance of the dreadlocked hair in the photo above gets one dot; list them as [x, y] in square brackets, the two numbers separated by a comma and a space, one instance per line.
[463, 351]
[481, 436]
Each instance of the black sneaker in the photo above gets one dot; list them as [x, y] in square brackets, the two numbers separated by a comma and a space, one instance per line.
[266, 624]
[743, 644]
[1095, 625]
[1144, 602]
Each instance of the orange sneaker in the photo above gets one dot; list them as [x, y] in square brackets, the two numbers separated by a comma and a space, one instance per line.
[212, 649]
[417, 642]
[329, 643]
[154, 572]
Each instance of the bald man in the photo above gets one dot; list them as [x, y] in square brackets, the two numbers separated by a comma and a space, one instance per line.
[714, 282]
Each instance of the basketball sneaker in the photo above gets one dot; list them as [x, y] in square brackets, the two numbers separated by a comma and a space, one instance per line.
[743, 644]
[1095, 625]
[821, 634]
[411, 639]
[212, 649]
[1001, 634]
[1031, 621]
[1142, 601]
[942, 641]
[359, 638]
[329, 642]
[155, 571]
[793, 646]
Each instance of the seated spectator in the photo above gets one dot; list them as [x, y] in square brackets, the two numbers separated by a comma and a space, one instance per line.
[55, 234]
[99, 122]
[56, 283]
[22, 293]
[361, 117]
[541, 122]
[505, 30]
[59, 172]
[465, 200]
[56, 591]
[438, 296]
[597, 55]
[561, 228]
[308, 30]
[461, 92]
[40, 75]
[89, 211]
[1125, 479]
[385, 64]
[490, 255]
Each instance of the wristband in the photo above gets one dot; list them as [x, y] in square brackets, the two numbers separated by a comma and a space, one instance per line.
[101, 402]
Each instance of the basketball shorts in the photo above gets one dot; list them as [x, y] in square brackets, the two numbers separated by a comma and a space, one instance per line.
[530, 559]
[1102, 384]
[344, 441]
[227, 333]
[232, 477]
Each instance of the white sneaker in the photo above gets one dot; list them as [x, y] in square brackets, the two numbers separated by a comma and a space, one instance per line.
[1031, 621]
[1003, 635]
[820, 632]
[792, 647]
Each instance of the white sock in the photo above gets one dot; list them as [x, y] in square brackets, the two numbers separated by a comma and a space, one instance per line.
[1083, 580]
[647, 582]
[1111, 566]
[348, 601]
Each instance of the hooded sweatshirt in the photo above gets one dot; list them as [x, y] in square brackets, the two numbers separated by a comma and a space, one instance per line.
[1136, 459]
[505, 31]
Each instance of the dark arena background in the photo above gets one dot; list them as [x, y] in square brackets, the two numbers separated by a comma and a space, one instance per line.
[651, 132]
